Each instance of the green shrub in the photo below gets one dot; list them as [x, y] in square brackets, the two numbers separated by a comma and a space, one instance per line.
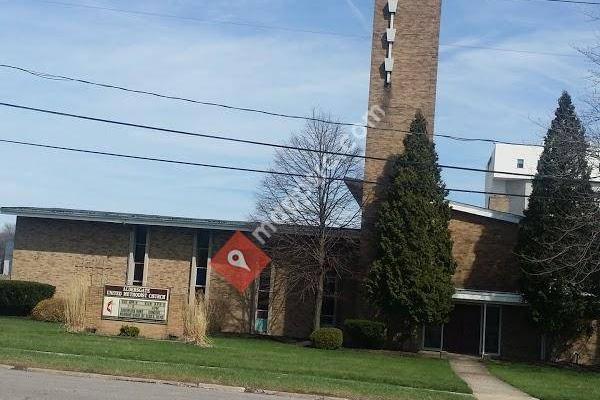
[49, 310]
[364, 334]
[129, 331]
[20, 297]
[327, 338]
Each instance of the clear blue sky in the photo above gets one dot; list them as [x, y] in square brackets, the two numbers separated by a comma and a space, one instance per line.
[481, 93]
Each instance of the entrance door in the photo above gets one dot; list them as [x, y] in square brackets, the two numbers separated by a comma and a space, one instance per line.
[463, 333]
[491, 335]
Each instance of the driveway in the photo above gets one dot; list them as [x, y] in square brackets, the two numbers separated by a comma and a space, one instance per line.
[25, 385]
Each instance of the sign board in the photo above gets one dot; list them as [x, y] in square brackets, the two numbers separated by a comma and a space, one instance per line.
[135, 303]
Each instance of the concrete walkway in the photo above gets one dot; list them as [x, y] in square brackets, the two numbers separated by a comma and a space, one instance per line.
[485, 386]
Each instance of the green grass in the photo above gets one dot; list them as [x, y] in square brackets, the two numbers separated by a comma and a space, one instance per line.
[549, 383]
[253, 363]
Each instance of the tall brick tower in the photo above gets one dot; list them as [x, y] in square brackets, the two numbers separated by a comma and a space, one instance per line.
[404, 66]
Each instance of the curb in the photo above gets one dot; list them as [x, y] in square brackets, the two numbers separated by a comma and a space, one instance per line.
[199, 385]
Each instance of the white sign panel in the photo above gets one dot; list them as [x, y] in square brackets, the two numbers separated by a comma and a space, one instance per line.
[135, 303]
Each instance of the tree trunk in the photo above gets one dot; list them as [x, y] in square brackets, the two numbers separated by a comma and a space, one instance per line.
[318, 303]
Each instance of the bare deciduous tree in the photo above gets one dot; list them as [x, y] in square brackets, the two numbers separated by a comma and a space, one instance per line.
[311, 209]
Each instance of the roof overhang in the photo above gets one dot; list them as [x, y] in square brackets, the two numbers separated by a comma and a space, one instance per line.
[481, 296]
[485, 212]
[126, 218]
[158, 220]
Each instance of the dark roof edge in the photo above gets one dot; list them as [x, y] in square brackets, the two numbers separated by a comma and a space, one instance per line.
[144, 219]
[126, 218]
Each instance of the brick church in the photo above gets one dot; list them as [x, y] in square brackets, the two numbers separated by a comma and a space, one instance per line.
[490, 316]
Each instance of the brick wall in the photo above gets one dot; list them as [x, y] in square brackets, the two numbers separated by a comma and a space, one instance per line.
[499, 203]
[587, 347]
[231, 310]
[289, 315]
[483, 250]
[54, 251]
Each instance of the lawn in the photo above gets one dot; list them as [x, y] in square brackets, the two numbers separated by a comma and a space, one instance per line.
[549, 383]
[252, 363]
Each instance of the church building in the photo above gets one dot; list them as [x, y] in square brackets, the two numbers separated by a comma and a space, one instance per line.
[171, 257]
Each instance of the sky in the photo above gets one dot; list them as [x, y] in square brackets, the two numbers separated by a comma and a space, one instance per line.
[212, 54]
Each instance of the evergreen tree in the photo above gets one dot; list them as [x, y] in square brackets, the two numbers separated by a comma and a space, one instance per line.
[410, 282]
[551, 236]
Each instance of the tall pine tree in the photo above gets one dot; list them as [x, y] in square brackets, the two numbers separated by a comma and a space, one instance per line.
[410, 282]
[551, 238]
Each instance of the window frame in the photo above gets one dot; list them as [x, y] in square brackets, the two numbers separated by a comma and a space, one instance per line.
[193, 288]
[520, 163]
[258, 291]
[198, 265]
[334, 296]
[133, 243]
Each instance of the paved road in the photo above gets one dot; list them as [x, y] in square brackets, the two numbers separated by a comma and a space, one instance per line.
[26, 385]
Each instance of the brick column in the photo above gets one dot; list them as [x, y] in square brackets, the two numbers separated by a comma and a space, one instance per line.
[412, 88]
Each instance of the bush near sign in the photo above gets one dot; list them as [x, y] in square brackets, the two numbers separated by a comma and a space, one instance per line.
[135, 303]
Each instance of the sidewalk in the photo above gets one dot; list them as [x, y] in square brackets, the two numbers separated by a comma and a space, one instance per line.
[484, 385]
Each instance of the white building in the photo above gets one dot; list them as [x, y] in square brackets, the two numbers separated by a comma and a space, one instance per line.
[516, 159]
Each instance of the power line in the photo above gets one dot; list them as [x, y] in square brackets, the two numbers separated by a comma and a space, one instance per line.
[287, 29]
[45, 75]
[265, 144]
[203, 20]
[223, 167]
[519, 51]
[237, 140]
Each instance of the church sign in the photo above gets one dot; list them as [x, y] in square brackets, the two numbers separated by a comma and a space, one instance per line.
[136, 304]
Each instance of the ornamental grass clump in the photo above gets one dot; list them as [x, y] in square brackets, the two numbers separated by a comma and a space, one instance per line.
[195, 323]
[75, 301]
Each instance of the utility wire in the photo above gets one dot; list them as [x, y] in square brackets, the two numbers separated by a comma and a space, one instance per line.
[45, 75]
[266, 144]
[237, 140]
[203, 20]
[223, 167]
[286, 29]
[519, 51]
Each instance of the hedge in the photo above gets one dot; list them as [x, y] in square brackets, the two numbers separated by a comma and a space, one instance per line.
[20, 297]
[364, 334]
[327, 338]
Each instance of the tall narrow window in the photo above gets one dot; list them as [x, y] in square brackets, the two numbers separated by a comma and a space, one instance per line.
[202, 260]
[261, 324]
[330, 289]
[520, 163]
[139, 254]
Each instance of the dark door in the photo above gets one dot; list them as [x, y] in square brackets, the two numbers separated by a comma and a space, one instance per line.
[462, 333]
[492, 330]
